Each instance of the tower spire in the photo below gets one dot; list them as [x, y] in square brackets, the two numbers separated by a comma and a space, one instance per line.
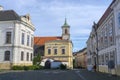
[65, 23]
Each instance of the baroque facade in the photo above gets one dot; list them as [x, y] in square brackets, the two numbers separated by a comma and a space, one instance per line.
[103, 42]
[57, 50]
[16, 39]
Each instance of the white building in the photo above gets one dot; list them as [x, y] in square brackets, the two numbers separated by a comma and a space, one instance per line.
[116, 10]
[107, 39]
[16, 39]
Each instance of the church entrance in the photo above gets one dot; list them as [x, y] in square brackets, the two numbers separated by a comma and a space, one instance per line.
[47, 64]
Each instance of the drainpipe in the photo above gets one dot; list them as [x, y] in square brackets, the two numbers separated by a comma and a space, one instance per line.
[13, 44]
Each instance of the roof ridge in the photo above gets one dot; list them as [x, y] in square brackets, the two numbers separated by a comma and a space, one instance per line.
[105, 13]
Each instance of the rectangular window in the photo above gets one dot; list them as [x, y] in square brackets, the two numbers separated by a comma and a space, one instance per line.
[106, 58]
[7, 56]
[31, 41]
[23, 38]
[8, 37]
[63, 51]
[27, 56]
[119, 19]
[102, 56]
[22, 56]
[49, 51]
[31, 56]
[55, 51]
[28, 40]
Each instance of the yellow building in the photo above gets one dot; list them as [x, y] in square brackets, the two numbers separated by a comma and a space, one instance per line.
[80, 58]
[58, 51]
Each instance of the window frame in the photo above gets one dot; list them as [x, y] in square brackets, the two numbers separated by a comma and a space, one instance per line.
[22, 56]
[7, 56]
[8, 37]
[55, 51]
[63, 51]
[49, 51]
[23, 39]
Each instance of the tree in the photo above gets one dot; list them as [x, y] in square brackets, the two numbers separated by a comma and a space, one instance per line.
[37, 60]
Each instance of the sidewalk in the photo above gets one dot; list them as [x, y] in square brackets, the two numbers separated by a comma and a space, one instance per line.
[89, 75]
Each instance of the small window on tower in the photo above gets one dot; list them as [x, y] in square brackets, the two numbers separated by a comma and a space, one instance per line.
[66, 32]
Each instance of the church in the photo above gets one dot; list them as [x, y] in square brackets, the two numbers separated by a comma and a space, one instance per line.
[55, 50]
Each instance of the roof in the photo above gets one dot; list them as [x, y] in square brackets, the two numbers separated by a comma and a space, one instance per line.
[42, 40]
[6, 15]
[105, 15]
[80, 51]
[65, 24]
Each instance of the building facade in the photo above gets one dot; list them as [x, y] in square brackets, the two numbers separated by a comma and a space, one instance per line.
[16, 43]
[80, 59]
[106, 36]
[58, 50]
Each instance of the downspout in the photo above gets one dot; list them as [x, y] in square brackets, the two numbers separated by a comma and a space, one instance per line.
[13, 44]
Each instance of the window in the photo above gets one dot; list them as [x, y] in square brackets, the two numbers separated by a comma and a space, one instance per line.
[49, 51]
[28, 39]
[22, 56]
[22, 39]
[106, 58]
[7, 56]
[31, 41]
[31, 56]
[55, 51]
[63, 51]
[66, 32]
[27, 56]
[112, 55]
[102, 59]
[8, 37]
[119, 19]
[110, 35]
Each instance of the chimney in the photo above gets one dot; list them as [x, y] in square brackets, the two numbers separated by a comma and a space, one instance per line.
[1, 8]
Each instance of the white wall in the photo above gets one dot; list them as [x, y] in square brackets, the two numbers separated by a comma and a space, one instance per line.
[16, 27]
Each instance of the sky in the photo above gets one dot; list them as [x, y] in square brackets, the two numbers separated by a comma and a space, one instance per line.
[49, 15]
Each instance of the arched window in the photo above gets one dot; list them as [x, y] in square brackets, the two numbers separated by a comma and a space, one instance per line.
[22, 56]
[66, 32]
[7, 56]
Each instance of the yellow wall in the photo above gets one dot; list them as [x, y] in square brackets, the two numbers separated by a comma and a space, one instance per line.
[59, 45]
[80, 59]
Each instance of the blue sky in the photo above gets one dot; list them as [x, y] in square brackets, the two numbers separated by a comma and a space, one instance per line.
[48, 16]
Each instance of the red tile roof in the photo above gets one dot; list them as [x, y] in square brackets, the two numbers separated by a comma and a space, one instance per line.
[105, 15]
[42, 40]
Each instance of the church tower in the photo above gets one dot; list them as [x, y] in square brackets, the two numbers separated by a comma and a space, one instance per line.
[65, 31]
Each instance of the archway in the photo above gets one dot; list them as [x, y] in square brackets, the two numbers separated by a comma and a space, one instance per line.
[47, 64]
